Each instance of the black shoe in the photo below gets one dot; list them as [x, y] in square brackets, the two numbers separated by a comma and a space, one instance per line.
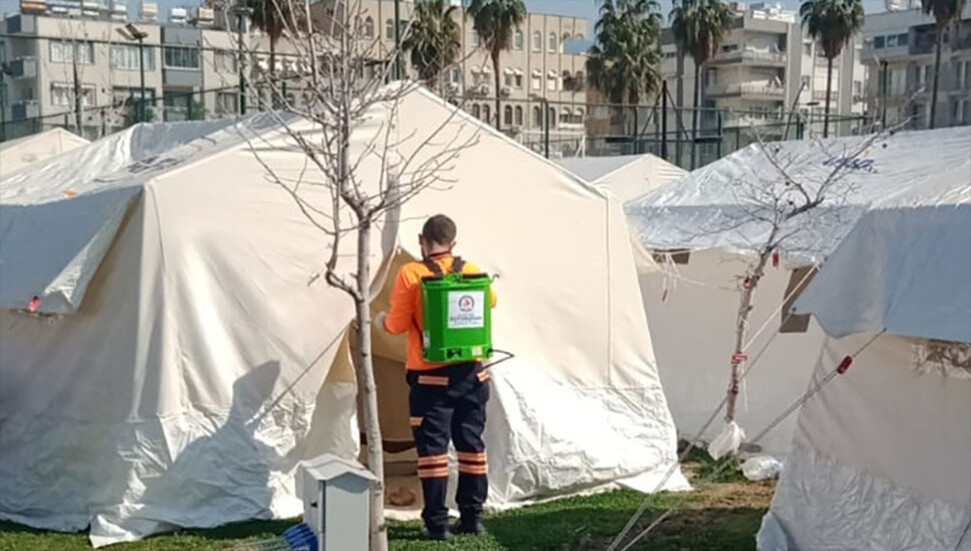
[437, 535]
[471, 528]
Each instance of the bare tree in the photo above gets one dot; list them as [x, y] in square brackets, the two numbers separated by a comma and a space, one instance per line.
[785, 204]
[339, 84]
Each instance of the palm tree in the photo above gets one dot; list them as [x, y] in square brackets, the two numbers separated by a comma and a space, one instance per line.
[945, 12]
[698, 27]
[832, 23]
[495, 21]
[624, 61]
[433, 39]
[272, 17]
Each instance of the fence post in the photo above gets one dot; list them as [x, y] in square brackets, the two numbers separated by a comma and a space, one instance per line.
[664, 120]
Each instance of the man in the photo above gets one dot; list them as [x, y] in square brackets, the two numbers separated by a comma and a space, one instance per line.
[447, 402]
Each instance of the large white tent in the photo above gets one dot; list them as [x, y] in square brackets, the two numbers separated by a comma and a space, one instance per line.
[881, 456]
[181, 359]
[626, 176]
[16, 154]
[700, 222]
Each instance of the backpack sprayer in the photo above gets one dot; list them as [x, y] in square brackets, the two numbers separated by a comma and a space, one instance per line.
[457, 315]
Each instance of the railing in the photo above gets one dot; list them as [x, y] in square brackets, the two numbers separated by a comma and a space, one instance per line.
[750, 55]
[751, 88]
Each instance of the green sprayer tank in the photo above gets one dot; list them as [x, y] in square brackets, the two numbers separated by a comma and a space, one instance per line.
[457, 316]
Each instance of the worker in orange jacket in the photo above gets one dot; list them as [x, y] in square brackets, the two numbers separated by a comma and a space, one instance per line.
[447, 402]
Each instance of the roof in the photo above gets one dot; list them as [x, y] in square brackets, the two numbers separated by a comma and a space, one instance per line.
[329, 467]
[906, 270]
[16, 154]
[626, 176]
[710, 209]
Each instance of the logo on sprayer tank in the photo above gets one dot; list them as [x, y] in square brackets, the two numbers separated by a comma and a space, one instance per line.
[465, 310]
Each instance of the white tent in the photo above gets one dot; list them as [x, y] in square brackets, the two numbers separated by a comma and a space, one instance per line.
[881, 456]
[692, 307]
[184, 361]
[626, 176]
[16, 154]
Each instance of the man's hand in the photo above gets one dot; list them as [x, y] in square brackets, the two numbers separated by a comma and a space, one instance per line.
[379, 321]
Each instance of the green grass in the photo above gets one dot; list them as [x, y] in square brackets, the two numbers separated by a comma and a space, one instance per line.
[717, 517]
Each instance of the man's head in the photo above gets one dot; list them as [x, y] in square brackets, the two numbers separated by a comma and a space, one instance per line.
[437, 235]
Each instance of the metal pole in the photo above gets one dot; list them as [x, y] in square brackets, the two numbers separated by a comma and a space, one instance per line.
[242, 64]
[721, 137]
[546, 126]
[397, 41]
[141, 70]
[636, 125]
[664, 120]
[883, 94]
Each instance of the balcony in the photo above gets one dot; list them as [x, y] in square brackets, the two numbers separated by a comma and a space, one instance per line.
[24, 109]
[751, 57]
[22, 67]
[760, 89]
[820, 95]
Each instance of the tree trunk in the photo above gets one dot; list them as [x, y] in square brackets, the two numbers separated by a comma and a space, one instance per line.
[750, 283]
[679, 104]
[367, 388]
[495, 68]
[829, 92]
[937, 76]
[694, 115]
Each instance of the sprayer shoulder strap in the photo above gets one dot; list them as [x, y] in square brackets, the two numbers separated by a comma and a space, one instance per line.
[457, 265]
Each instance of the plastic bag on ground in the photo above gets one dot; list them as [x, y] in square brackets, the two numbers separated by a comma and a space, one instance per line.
[727, 441]
[761, 467]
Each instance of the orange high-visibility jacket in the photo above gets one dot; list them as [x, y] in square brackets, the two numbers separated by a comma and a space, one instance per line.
[406, 312]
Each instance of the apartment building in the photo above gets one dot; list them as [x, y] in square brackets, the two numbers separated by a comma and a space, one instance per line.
[60, 59]
[899, 49]
[537, 78]
[49, 59]
[766, 67]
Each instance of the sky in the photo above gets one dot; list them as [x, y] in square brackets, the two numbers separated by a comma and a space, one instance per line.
[580, 8]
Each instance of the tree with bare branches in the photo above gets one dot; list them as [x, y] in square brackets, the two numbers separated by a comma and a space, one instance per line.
[341, 115]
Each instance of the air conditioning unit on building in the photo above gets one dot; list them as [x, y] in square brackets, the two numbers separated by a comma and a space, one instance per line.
[506, 91]
[148, 12]
[178, 16]
[204, 17]
[485, 90]
[452, 88]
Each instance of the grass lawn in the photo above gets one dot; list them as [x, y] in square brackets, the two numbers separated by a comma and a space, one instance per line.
[716, 517]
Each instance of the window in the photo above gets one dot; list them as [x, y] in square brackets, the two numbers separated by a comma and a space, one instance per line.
[517, 41]
[537, 117]
[124, 57]
[123, 97]
[551, 83]
[389, 29]
[63, 94]
[536, 83]
[967, 74]
[857, 88]
[226, 103]
[519, 115]
[903, 39]
[537, 41]
[805, 82]
[892, 41]
[551, 46]
[552, 117]
[879, 42]
[565, 116]
[368, 27]
[454, 75]
[507, 115]
[508, 77]
[519, 80]
[476, 110]
[83, 52]
[966, 117]
[225, 61]
[807, 47]
[578, 116]
[566, 38]
[180, 57]
[578, 37]
[486, 113]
